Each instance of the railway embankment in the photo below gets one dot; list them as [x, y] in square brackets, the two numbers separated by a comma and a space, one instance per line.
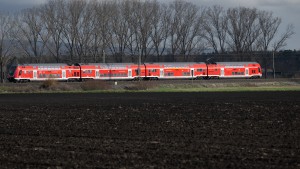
[281, 84]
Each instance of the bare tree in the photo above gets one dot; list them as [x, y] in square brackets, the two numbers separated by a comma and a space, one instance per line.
[84, 30]
[160, 31]
[5, 42]
[142, 26]
[269, 26]
[132, 42]
[216, 28]
[74, 10]
[30, 33]
[177, 10]
[84, 35]
[103, 12]
[150, 15]
[281, 42]
[53, 17]
[186, 28]
[242, 29]
[190, 32]
[120, 29]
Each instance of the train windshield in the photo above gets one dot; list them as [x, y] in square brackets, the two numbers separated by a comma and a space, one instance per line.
[12, 70]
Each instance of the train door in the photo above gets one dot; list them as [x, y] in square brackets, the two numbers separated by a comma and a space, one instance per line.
[192, 72]
[64, 74]
[97, 74]
[222, 72]
[129, 73]
[247, 72]
[161, 73]
[34, 74]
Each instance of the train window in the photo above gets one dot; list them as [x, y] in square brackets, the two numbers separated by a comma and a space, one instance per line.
[87, 71]
[199, 70]
[186, 73]
[169, 74]
[237, 73]
[20, 72]
[259, 70]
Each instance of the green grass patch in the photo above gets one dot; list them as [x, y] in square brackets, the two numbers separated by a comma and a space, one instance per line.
[227, 89]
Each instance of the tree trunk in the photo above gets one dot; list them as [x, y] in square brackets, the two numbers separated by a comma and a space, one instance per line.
[1, 71]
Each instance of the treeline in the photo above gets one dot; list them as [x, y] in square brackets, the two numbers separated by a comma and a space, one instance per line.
[96, 31]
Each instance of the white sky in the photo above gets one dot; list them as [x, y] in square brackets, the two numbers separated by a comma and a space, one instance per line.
[288, 10]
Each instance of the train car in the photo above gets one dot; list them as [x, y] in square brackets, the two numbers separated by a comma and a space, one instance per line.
[200, 70]
[153, 71]
[40, 72]
[112, 71]
[234, 70]
[178, 70]
[108, 71]
[213, 71]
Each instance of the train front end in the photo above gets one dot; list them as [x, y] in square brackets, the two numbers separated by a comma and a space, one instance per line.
[12, 73]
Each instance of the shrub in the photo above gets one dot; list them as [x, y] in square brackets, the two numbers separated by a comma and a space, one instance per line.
[48, 84]
[95, 85]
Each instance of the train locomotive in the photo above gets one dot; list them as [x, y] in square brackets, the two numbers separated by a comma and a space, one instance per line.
[131, 71]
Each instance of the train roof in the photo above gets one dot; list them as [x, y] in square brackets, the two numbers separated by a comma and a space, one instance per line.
[236, 63]
[175, 63]
[109, 65]
[169, 64]
[44, 64]
[102, 64]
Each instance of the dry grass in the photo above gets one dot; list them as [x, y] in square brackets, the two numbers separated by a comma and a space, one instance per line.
[95, 85]
[48, 84]
[141, 85]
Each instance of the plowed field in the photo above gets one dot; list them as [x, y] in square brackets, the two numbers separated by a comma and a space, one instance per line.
[150, 130]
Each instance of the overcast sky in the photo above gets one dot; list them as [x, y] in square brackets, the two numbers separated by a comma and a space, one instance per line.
[288, 10]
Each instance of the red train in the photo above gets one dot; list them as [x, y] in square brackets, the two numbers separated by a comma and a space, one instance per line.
[130, 71]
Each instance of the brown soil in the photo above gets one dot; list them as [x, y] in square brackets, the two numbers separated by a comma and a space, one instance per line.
[150, 130]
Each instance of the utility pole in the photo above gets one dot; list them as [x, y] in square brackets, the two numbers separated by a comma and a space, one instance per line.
[139, 64]
[273, 65]
[103, 56]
